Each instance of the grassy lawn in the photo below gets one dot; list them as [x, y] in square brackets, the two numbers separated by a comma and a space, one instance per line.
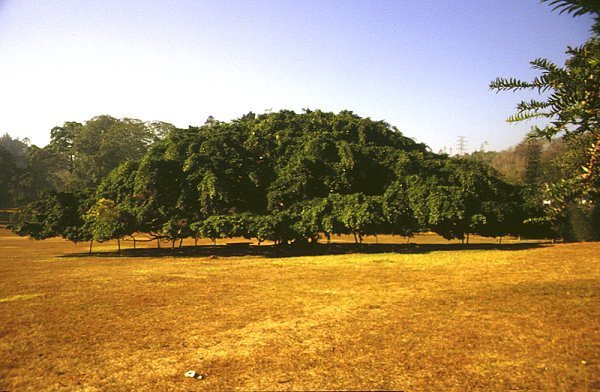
[430, 318]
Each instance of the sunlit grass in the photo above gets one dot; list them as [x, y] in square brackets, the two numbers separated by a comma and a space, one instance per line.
[469, 319]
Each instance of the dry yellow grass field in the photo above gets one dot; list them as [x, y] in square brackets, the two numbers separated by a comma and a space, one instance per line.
[431, 318]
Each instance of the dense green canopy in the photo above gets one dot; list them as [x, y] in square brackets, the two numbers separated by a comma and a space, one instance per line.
[289, 177]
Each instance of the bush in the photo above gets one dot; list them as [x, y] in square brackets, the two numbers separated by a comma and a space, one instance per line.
[582, 223]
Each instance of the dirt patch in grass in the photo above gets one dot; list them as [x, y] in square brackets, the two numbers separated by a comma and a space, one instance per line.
[464, 319]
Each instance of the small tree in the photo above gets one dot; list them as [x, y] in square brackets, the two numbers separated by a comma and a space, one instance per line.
[262, 228]
[361, 215]
[213, 227]
[106, 221]
[396, 211]
[175, 229]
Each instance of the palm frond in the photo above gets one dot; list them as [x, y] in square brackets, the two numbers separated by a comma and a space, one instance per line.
[532, 105]
[544, 65]
[574, 7]
[542, 83]
[510, 84]
[527, 115]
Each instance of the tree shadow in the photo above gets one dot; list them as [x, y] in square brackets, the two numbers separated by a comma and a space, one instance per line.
[283, 251]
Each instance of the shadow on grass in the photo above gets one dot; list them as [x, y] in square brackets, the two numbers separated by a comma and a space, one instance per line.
[279, 251]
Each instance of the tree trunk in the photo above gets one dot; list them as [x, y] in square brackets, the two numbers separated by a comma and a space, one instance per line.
[119, 244]
[158, 243]
[91, 242]
[355, 237]
[467, 238]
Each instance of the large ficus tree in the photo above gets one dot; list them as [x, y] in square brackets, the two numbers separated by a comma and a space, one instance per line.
[282, 177]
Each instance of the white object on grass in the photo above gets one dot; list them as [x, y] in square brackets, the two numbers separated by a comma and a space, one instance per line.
[193, 374]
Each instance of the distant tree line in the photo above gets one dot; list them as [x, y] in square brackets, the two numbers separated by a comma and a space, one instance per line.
[534, 165]
[78, 156]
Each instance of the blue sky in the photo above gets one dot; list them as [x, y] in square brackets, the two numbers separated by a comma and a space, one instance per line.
[422, 66]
